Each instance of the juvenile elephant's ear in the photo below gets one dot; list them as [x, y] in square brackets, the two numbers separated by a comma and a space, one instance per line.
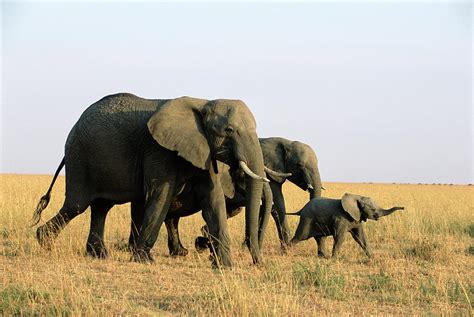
[178, 126]
[350, 205]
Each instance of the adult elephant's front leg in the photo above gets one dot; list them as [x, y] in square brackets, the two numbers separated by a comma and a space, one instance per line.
[174, 243]
[215, 215]
[202, 242]
[137, 212]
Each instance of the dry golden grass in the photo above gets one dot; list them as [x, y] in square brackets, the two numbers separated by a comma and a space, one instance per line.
[423, 262]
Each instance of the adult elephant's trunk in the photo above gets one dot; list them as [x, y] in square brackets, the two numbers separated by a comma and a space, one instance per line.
[265, 212]
[313, 179]
[250, 153]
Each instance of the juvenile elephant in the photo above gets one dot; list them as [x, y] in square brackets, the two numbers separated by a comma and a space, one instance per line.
[284, 159]
[125, 148]
[322, 217]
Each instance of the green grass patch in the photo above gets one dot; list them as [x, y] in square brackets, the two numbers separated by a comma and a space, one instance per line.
[381, 282]
[428, 290]
[460, 294]
[20, 301]
[469, 230]
[320, 277]
[470, 250]
[424, 249]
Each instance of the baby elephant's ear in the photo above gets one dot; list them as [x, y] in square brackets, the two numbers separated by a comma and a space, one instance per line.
[350, 205]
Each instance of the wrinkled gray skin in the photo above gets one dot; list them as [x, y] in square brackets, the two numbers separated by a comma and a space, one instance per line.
[324, 217]
[280, 155]
[129, 149]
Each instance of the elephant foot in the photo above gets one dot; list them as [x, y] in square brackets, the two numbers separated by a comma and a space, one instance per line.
[285, 247]
[142, 256]
[205, 230]
[179, 251]
[222, 263]
[323, 255]
[131, 247]
[97, 250]
[45, 237]
[202, 244]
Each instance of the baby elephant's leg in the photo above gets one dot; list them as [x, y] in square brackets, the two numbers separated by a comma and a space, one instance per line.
[321, 245]
[303, 231]
[359, 236]
[339, 236]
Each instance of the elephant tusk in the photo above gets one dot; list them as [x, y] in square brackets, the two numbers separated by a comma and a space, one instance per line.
[276, 174]
[323, 188]
[310, 187]
[249, 172]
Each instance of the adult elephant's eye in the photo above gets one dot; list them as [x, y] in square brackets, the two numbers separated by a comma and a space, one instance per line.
[229, 130]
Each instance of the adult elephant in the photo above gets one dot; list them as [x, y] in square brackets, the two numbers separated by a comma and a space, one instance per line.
[297, 159]
[284, 160]
[129, 149]
[187, 202]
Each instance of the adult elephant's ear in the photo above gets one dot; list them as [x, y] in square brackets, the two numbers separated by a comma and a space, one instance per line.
[351, 206]
[178, 126]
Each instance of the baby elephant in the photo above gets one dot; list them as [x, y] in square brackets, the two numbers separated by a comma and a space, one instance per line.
[322, 217]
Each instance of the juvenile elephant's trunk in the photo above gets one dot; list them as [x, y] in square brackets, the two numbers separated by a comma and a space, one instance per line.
[386, 212]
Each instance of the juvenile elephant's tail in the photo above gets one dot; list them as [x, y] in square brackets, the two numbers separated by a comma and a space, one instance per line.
[44, 201]
[298, 213]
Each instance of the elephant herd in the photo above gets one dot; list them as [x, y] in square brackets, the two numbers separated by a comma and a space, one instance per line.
[171, 158]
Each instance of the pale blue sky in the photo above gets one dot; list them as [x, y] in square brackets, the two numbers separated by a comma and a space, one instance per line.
[382, 91]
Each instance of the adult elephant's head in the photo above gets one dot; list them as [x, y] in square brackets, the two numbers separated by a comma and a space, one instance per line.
[293, 157]
[202, 131]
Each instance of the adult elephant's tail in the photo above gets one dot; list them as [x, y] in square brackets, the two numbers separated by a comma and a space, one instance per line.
[44, 201]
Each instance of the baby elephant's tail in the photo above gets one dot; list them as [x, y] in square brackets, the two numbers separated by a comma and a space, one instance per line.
[298, 213]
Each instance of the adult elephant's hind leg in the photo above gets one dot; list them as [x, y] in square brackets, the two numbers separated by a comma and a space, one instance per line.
[95, 242]
[76, 201]
[51, 229]
[174, 243]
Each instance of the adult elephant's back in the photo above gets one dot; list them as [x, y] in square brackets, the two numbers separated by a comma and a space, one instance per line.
[104, 147]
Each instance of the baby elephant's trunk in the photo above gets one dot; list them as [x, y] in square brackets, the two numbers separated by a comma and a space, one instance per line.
[387, 212]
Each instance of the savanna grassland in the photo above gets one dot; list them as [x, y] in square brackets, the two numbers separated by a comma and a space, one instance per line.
[423, 262]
